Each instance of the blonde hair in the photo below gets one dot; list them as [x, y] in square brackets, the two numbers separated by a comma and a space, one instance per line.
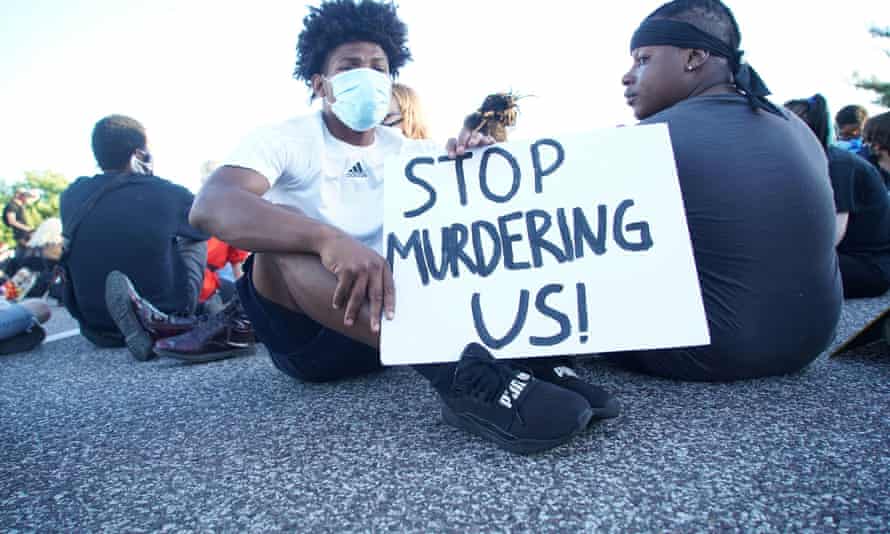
[48, 233]
[413, 123]
[207, 169]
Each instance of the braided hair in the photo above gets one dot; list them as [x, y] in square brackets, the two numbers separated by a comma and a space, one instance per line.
[498, 112]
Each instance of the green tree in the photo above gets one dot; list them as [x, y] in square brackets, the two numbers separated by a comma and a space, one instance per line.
[49, 184]
[882, 88]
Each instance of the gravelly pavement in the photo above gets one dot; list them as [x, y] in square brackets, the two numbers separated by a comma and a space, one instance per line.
[91, 440]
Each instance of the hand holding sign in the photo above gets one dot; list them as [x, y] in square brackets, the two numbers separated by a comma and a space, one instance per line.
[550, 247]
[467, 140]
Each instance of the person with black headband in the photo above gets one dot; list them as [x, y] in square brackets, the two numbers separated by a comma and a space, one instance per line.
[757, 195]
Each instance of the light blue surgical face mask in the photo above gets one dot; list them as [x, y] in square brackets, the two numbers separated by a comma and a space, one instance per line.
[141, 163]
[852, 145]
[362, 98]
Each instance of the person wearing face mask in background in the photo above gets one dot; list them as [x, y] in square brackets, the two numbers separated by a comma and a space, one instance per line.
[126, 220]
[849, 122]
[307, 195]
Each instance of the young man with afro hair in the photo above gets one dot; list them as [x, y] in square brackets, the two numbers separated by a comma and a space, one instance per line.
[307, 197]
[758, 199]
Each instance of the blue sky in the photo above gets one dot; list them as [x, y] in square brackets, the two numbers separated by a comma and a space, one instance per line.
[200, 74]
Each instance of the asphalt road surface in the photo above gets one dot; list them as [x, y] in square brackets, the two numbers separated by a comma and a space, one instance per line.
[92, 440]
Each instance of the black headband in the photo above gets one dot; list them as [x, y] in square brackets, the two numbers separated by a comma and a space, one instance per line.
[666, 32]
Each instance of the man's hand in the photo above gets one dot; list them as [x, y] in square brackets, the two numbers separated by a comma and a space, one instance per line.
[361, 274]
[466, 140]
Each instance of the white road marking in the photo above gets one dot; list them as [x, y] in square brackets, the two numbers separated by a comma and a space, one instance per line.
[62, 335]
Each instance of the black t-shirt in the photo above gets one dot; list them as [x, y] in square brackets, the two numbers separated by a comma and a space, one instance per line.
[872, 158]
[761, 218]
[132, 229]
[18, 212]
[860, 191]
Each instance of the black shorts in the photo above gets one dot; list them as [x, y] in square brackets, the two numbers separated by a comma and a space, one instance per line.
[299, 346]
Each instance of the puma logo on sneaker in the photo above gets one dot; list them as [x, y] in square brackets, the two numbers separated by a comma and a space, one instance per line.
[509, 406]
[514, 389]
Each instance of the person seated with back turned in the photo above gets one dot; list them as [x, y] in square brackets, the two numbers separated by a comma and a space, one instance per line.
[757, 196]
[126, 229]
[862, 205]
[876, 139]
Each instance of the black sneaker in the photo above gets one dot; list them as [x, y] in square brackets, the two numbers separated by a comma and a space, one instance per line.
[118, 291]
[510, 407]
[23, 341]
[559, 371]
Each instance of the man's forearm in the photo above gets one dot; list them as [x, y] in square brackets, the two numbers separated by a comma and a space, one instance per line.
[13, 222]
[247, 221]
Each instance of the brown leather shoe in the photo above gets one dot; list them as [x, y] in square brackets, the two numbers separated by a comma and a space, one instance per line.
[160, 325]
[139, 322]
[224, 335]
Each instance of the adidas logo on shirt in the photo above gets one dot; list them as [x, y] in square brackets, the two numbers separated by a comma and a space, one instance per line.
[514, 389]
[357, 171]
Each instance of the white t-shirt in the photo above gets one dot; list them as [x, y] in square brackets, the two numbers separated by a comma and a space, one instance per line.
[327, 179]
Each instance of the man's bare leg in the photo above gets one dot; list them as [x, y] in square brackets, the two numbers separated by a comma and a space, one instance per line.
[299, 282]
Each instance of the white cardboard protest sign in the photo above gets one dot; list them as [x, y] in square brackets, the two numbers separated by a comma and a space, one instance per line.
[547, 247]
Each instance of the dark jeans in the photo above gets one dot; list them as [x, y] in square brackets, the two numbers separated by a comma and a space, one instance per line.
[304, 349]
[226, 290]
[194, 258]
[861, 277]
[218, 300]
